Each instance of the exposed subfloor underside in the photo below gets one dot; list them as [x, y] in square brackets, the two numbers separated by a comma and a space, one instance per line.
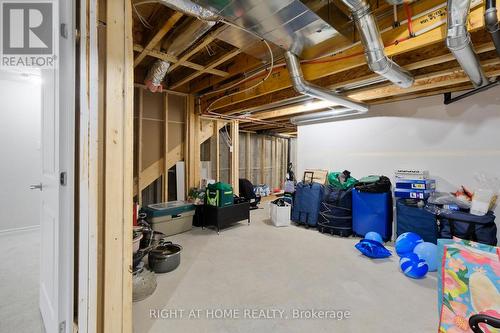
[264, 267]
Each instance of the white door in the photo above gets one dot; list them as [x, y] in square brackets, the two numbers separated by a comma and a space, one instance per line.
[49, 208]
[56, 184]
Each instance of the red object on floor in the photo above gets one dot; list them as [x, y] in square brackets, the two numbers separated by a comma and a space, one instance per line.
[134, 218]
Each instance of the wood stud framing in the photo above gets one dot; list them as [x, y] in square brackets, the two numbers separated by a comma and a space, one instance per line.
[118, 169]
[166, 165]
[235, 156]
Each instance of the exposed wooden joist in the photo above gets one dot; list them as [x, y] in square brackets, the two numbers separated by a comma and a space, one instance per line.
[432, 92]
[239, 64]
[425, 82]
[167, 57]
[157, 37]
[353, 57]
[207, 69]
[297, 109]
[245, 63]
[192, 51]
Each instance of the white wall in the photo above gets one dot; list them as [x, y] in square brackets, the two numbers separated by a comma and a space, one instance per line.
[455, 143]
[20, 112]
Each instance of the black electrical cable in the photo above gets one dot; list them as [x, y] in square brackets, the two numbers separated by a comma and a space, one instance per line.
[492, 25]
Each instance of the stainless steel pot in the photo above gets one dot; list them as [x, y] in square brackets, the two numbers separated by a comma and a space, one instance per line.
[165, 257]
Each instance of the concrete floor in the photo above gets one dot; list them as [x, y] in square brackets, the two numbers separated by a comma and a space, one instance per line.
[19, 283]
[267, 268]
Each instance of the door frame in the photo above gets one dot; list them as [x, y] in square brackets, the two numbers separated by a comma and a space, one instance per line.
[88, 167]
[105, 160]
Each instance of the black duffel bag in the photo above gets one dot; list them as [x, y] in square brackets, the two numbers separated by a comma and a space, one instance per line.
[467, 226]
[382, 185]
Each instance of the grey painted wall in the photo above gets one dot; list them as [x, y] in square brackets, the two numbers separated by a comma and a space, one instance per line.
[20, 112]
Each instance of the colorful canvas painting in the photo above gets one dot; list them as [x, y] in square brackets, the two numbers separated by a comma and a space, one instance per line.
[469, 284]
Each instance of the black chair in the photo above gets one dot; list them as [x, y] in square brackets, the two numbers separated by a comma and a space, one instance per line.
[475, 320]
[246, 191]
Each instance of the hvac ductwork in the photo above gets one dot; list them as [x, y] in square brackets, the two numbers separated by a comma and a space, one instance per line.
[309, 89]
[399, 2]
[186, 7]
[156, 74]
[374, 46]
[459, 42]
[324, 116]
[178, 43]
[491, 19]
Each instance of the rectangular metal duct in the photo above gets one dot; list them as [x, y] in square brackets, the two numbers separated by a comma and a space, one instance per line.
[289, 24]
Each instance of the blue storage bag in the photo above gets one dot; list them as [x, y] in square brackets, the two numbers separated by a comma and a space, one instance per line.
[410, 218]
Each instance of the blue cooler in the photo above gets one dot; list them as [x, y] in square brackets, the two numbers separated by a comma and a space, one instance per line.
[372, 212]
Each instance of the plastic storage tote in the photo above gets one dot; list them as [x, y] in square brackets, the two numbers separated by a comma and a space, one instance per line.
[172, 217]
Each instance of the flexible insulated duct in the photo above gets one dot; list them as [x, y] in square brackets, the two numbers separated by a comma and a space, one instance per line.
[399, 2]
[374, 46]
[186, 7]
[156, 74]
[309, 89]
[491, 19]
[459, 42]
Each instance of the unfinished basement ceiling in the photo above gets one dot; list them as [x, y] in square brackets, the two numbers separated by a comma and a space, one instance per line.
[289, 24]
[229, 61]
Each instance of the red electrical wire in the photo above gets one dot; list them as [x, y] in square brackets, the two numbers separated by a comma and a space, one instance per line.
[409, 18]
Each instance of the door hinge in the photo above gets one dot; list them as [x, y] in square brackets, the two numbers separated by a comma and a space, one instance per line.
[64, 30]
[63, 178]
[62, 327]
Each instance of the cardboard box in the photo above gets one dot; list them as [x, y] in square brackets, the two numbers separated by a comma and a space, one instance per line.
[411, 174]
[412, 194]
[416, 184]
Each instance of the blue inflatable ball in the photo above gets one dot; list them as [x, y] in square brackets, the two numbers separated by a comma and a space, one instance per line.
[428, 252]
[374, 236]
[406, 242]
[412, 266]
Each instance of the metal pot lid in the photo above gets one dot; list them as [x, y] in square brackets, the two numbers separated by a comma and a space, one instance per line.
[165, 250]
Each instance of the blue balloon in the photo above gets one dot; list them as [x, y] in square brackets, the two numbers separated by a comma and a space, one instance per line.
[372, 249]
[412, 266]
[374, 236]
[428, 252]
[406, 242]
